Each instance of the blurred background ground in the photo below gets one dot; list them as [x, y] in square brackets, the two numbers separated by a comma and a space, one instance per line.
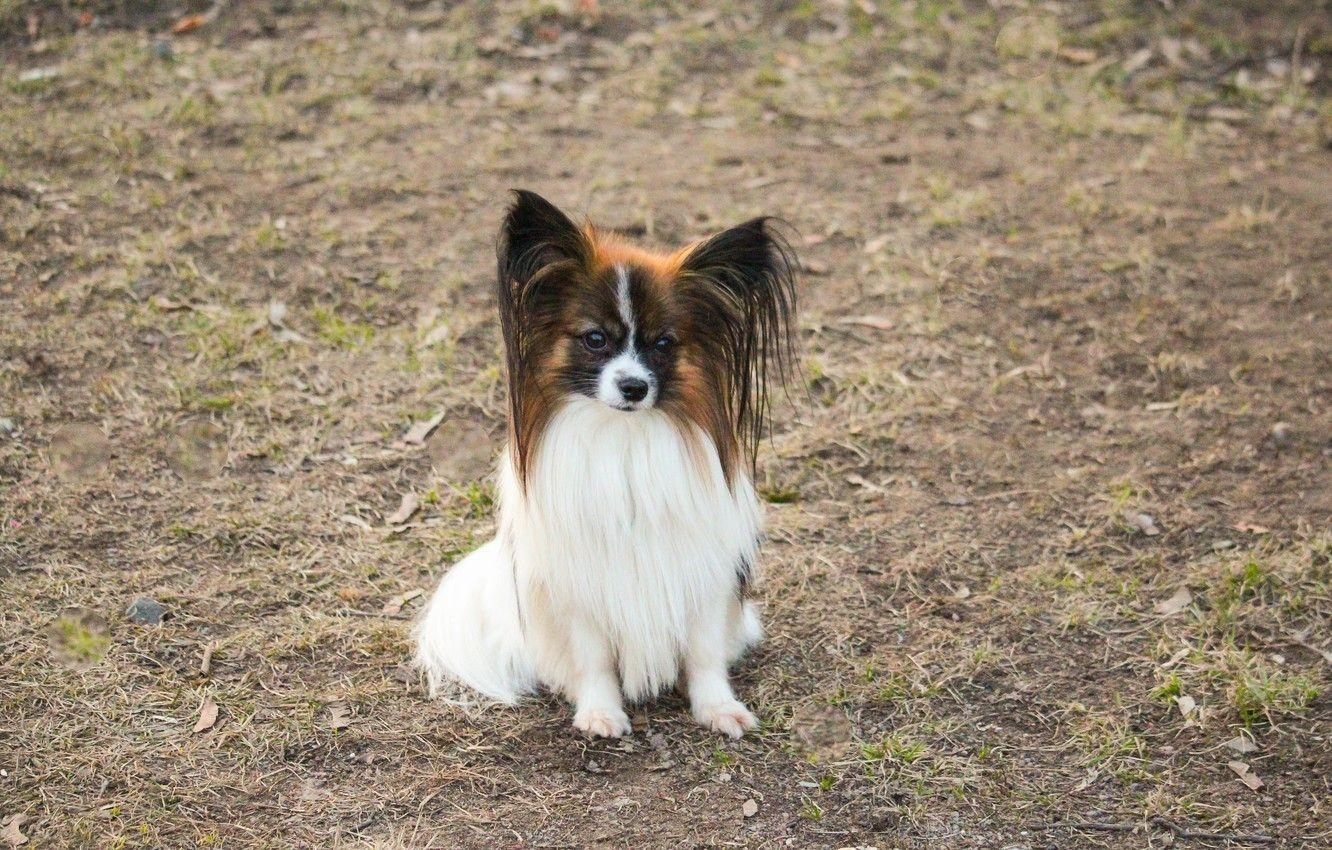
[1050, 555]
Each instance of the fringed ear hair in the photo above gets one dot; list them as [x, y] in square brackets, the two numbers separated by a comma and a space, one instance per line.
[538, 246]
[535, 235]
[746, 280]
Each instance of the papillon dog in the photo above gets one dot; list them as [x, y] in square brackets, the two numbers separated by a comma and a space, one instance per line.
[628, 522]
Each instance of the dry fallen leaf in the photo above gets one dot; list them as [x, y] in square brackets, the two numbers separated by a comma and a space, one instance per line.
[1245, 774]
[189, 23]
[350, 594]
[277, 313]
[352, 519]
[1179, 656]
[1251, 528]
[861, 481]
[435, 336]
[1173, 50]
[409, 505]
[11, 833]
[207, 715]
[339, 715]
[167, 305]
[1186, 705]
[1181, 599]
[1088, 779]
[1281, 433]
[750, 808]
[1145, 523]
[880, 323]
[875, 245]
[1137, 61]
[394, 605]
[277, 322]
[1241, 745]
[416, 435]
[1230, 114]
[979, 121]
[1078, 55]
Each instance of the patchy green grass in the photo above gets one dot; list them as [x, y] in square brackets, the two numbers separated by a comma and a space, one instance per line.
[77, 638]
[341, 332]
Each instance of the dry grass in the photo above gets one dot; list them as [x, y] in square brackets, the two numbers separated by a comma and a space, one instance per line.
[1086, 365]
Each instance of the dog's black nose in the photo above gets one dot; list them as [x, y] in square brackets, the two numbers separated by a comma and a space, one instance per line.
[633, 389]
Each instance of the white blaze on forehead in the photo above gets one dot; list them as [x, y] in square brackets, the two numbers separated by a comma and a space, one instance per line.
[624, 302]
[626, 364]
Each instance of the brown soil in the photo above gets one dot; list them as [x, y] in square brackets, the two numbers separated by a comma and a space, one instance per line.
[1065, 323]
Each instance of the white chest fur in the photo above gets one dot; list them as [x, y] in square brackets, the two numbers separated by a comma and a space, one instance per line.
[629, 528]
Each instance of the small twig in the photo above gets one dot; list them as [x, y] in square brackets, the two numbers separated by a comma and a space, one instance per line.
[846, 333]
[1090, 826]
[1275, 638]
[1181, 832]
[1296, 60]
[365, 824]
[1178, 831]
[377, 615]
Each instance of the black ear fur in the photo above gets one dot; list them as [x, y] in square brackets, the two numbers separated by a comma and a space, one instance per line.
[536, 242]
[535, 235]
[746, 278]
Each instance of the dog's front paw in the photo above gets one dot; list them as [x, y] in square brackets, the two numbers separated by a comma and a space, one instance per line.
[730, 718]
[602, 722]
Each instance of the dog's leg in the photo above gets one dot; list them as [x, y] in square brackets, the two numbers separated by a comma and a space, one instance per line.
[711, 699]
[593, 685]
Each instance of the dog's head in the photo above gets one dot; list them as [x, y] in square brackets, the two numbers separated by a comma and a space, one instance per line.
[698, 334]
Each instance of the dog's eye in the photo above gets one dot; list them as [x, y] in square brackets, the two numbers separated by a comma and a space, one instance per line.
[594, 340]
[663, 343]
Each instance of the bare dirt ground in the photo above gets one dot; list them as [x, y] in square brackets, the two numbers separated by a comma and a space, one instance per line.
[1050, 559]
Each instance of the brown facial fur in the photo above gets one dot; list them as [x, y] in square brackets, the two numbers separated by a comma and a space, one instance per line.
[726, 303]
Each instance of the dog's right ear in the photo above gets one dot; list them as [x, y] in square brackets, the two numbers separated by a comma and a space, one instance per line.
[540, 250]
[536, 236]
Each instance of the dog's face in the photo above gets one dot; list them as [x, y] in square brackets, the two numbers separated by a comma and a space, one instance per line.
[622, 339]
[691, 333]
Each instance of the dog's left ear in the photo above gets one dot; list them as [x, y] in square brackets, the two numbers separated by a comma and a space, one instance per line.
[752, 255]
[745, 279]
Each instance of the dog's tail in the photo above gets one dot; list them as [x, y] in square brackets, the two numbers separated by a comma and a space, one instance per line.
[472, 631]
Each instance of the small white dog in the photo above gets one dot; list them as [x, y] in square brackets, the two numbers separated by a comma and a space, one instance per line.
[628, 522]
